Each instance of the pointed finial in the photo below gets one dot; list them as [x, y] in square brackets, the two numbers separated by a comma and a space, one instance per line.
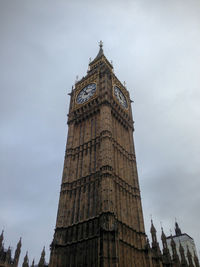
[100, 44]
[25, 263]
[33, 263]
[162, 231]
[19, 244]
[124, 84]
[42, 258]
[90, 60]
[177, 229]
[153, 229]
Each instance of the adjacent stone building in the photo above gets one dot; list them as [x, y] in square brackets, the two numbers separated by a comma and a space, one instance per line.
[184, 244]
[6, 259]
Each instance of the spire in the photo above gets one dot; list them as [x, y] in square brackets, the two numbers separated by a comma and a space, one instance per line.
[17, 252]
[166, 253]
[8, 255]
[100, 53]
[33, 263]
[164, 239]
[25, 263]
[42, 259]
[153, 233]
[155, 244]
[99, 58]
[1, 239]
[100, 50]
[177, 229]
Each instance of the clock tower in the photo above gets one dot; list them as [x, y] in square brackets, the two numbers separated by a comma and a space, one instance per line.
[99, 221]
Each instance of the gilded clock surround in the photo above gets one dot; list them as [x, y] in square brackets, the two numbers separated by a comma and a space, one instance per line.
[80, 85]
[90, 98]
[124, 95]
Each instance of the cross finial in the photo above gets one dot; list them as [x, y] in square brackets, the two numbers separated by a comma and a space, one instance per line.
[100, 44]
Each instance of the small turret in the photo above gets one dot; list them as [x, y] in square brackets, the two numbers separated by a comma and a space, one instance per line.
[1, 240]
[42, 259]
[155, 244]
[25, 263]
[153, 234]
[164, 239]
[17, 252]
[166, 253]
[33, 263]
[177, 229]
[8, 255]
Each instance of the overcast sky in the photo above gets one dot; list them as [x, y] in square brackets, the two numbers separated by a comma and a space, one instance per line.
[154, 46]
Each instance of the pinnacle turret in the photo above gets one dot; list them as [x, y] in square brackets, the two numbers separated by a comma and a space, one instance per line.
[33, 263]
[17, 252]
[177, 229]
[42, 259]
[8, 255]
[153, 233]
[1, 239]
[26, 262]
[163, 238]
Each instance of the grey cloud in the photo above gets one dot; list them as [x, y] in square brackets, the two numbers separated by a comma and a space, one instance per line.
[155, 47]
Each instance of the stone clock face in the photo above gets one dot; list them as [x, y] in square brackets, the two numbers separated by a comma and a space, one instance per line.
[120, 97]
[86, 93]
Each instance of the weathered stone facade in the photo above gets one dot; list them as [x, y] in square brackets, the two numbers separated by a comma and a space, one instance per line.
[100, 220]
